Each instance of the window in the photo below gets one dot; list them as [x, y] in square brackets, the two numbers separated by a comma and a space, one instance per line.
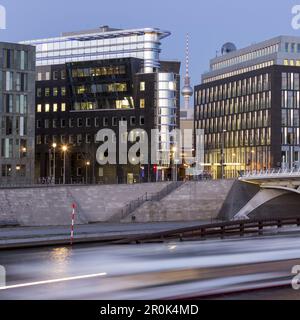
[142, 86]
[8, 58]
[62, 123]
[105, 122]
[39, 108]
[88, 138]
[79, 122]
[47, 75]
[7, 148]
[142, 103]
[55, 75]
[46, 124]
[63, 74]
[39, 76]
[63, 139]
[63, 107]
[47, 107]
[6, 170]
[55, 108]
[39, 92]
[88, 122]
[132, 121]
[47, 92]
[63, 91]
[55, 92]
[142, 120]
[9, 81]
[38, 124]
[38, 140]
[21, 82]
[8, 103]
[79, 138]
[72, 123]
[114, 121]
[97, 122]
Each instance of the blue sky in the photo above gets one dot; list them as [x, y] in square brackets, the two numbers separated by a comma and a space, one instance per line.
[210, 23]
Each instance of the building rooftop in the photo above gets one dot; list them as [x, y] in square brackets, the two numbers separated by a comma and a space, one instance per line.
[281, 50]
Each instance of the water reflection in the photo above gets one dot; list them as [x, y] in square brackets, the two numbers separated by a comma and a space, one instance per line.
[61, 257]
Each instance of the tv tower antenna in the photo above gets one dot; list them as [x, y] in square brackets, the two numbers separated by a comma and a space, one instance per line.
[187, 90]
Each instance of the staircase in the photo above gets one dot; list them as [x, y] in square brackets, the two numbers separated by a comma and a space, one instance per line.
[137, 203]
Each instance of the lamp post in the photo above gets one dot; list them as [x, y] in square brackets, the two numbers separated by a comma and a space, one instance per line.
[222, 154]
[54, 146]
[64, 149]
[174, 149]
[87, 164]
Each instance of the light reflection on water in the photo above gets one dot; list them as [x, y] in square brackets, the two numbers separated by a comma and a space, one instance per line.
[61, 258]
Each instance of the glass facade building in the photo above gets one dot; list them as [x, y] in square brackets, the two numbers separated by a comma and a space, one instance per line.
[17, 108]
[92, 80]
[100, 44]
[248, 105]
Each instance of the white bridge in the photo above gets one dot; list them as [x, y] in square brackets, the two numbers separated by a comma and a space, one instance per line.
[273, 184]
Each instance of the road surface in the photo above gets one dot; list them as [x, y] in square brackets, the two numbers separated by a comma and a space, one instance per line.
[153, 271]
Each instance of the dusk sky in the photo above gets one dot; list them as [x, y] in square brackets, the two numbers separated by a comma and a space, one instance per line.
[210, 23]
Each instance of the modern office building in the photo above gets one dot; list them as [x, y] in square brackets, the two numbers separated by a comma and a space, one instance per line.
[92, 80]
[248, 105]
[17, 112]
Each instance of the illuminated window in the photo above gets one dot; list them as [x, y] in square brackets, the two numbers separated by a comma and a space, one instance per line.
[142, 103]
[80, 89]
[39, 108]
[47, 92]
[55, 92]
[63, 91]
[286, 62]
[55, 108]
[63, 107]
[47, 107]
[126, 103]
[172, 85]
[291, 62]
[142, 86]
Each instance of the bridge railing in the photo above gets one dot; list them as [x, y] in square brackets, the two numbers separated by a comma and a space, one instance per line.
[270, 173]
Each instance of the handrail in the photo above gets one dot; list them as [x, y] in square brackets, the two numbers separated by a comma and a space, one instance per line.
[270, 173]
[222, 229]
[136, 203]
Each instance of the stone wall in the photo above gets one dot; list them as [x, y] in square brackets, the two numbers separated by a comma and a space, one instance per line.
[193, 201]
[50, 206]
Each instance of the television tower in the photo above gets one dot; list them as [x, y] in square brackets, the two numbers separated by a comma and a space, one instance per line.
[187, 90]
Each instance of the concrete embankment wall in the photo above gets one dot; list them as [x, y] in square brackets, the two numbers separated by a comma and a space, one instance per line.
[237, 198]
[191, 202]
[241, 193]
[51, 206]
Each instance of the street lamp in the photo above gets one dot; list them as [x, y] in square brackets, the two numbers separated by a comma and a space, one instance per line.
[222, 154]
[87, 164]
[64, 149]
[54, 146]
[174, 150]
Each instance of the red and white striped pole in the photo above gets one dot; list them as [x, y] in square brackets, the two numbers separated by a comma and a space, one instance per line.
[73, 223]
